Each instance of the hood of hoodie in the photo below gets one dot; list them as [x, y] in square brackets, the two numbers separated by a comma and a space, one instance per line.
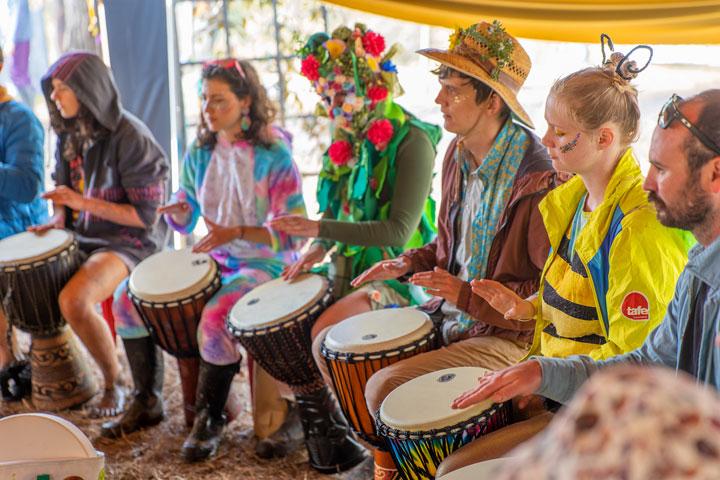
[92, 83]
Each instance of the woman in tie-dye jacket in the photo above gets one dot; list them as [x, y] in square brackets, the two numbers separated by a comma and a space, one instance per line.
[237, 175]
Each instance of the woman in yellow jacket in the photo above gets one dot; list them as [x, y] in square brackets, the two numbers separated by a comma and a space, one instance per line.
[613, 267]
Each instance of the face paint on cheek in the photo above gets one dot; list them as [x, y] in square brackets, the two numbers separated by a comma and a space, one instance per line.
[458, 98]
[568, 147]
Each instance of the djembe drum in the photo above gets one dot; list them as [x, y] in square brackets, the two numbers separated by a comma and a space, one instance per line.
[33, 270]
[273, 323]
[169, 290]
[361, 345]
[420, 426]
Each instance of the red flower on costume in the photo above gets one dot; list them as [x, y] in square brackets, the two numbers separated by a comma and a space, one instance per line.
[309, 68]
[373, 43]
[346, 209]
[340, 152]
[377, 93]
[373, 183]
[380, 133]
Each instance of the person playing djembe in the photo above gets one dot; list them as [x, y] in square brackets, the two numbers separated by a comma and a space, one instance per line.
[21, 182]
[237, 175]
[110, 178]
[613, 266]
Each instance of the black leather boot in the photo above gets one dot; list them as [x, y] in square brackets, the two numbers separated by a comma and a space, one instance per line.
[331, 446]
[146, 405]
[213, 387]
[286, 439]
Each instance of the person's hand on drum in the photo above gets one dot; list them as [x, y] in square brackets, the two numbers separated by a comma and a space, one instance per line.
[315, 254]
[296, 225]
[384, 270]
[66, 197]
[217, 236]
[56, 221]
[521, 380]
[439, 283]
[504, 300]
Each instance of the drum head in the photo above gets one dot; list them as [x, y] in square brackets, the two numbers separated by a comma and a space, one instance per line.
[379, 330]
[478, 471]
[424, 403]
[172, 275]
[28, 247]
[38, 436]
[277, 301]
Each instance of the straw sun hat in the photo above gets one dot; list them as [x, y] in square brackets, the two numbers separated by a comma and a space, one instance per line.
[486, 52]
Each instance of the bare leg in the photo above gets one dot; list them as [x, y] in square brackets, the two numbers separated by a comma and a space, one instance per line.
[96, 280]
[352, 304]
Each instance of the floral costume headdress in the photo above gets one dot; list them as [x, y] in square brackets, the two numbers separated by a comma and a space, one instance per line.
[351, 62]
[368, 127]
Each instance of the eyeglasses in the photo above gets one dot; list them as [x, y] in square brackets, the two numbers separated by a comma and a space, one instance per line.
[226, 63]
[671, 112]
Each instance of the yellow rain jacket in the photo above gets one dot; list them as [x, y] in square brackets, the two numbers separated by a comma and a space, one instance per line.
[632, 261]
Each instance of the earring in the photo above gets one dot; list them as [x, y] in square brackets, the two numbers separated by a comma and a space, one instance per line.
[245, 119]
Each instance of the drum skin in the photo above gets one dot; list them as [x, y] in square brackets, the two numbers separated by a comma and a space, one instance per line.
[417, 450]
[173, 323]
[282, 347]
[350, 371]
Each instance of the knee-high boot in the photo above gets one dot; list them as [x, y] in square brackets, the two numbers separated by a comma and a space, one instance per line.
[146, 406]
[329, 440]
[213, 387]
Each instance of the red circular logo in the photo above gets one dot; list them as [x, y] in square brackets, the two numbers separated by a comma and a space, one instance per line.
[635, 306]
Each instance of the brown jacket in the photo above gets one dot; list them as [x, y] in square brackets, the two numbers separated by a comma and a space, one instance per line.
[518, 252]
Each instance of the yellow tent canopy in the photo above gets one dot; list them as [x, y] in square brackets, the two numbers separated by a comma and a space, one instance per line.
[626, 21]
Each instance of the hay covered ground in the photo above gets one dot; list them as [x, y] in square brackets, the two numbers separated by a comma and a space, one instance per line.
[154, 453]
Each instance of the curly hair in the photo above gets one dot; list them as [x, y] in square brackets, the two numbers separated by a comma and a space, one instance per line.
[262, 111]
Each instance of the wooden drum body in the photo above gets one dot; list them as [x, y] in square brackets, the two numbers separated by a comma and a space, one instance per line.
[33, 270]
[273, 323]
[420, 427]
[359, 346]
[169, 290]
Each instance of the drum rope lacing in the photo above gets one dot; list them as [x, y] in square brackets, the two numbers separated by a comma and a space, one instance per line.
[177, 303]
[473, 422]
[350, 357]
[324, 301]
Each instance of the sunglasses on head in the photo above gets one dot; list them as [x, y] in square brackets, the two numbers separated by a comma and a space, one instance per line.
[226, 63]
[670, 112]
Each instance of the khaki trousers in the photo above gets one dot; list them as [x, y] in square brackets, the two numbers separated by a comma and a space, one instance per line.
[492, 353]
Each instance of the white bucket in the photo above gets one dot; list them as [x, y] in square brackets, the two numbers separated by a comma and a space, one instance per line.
[74, 469]
[38, 446]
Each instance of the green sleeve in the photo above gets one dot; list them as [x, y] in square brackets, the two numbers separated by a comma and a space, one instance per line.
[327, 243]
[414, 164]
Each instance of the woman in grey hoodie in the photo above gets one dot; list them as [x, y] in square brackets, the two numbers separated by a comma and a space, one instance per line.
[110, 178]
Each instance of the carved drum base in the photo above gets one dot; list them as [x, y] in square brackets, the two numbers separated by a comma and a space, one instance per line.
[60, 377]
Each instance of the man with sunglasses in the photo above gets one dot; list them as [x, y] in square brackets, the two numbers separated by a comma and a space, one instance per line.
[684, 185]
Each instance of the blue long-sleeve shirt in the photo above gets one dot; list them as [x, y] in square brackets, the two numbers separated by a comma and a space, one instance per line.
[21, 168]
[563, 377]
